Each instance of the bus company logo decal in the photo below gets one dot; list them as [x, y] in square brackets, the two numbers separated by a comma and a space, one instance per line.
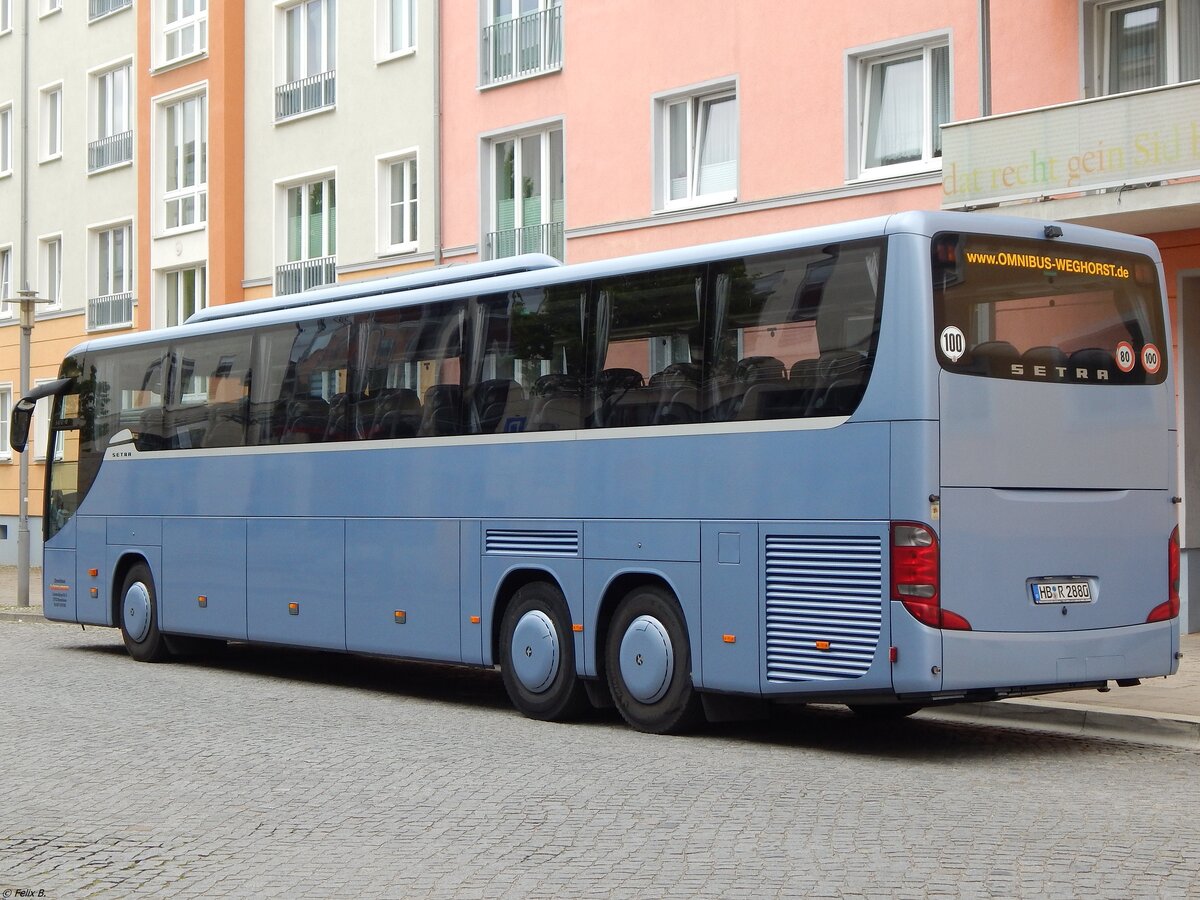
[1024, 371]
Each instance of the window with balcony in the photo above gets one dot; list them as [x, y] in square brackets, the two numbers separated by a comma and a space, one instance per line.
[396, 22]
[527, 195]
[521, 38]
[110, 303]
[398, 204]
[185, 291]
[50, 269]
[185, 162]
[98, 9]
[51, 123]
[6, 146]
[309, 58]
[903, 98]
[310, 237]
[184, 29]
[697, 162]
[1137, 44]
[112, 142]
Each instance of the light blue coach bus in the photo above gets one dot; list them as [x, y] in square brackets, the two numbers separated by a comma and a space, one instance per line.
[916, 460]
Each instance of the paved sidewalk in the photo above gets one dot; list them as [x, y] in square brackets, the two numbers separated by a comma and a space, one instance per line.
[1159, 710]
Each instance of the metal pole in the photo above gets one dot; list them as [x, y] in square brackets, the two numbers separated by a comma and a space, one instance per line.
[27, 307]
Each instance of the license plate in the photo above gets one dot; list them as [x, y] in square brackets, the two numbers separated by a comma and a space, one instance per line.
[1061, 591]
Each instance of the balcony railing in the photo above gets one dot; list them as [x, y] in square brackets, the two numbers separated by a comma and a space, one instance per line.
[306, 274]
[98, 8]
[110, 311]
[546, 238]
[526, 45]
[297, 97]
[110, 151]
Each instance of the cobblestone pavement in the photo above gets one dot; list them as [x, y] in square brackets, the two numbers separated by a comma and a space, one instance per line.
[264, 772]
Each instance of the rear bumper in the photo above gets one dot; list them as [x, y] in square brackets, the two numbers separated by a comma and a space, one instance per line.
[973, 659]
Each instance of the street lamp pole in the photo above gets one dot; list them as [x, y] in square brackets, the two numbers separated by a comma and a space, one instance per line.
[27, 300]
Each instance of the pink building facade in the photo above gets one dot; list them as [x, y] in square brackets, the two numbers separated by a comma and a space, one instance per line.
[592, 130]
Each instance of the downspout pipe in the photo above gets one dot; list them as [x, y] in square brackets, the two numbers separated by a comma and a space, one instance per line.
[437, 133]
[985, 57]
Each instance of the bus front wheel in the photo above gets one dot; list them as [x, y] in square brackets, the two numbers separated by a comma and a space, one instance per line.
[139, 617]
[537, 649]
[648, 662]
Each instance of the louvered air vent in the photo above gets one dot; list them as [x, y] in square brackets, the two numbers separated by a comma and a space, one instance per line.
[531, 543]
[824, 606]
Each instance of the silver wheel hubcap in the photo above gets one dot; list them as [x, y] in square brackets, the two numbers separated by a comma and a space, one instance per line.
[535, 652]
[647, 659]
[135, 612]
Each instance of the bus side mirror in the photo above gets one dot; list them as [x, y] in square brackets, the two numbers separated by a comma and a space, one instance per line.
[18, 431]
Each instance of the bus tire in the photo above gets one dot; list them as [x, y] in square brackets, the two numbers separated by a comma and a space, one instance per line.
[139, 617]
[648, 662]
[537, 655]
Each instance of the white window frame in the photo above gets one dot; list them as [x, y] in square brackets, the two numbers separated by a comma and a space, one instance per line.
[385, 17]
[199, 272]
[328, 44]
[185, 26]
[410, 202]
[6, 404]
[542, 131]
[5, 16]
[169, 107]
[861, 65]
[103, 81]
[41, 427]
[696, 103]
[50, 270]
[1102, 18]
[48, 8]
[50, 136]
[6, 284]
[328, 235]
[6, 135]
[100, 235]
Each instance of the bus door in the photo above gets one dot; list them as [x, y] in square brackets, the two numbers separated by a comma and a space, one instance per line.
[60, 402]
[1056, 446]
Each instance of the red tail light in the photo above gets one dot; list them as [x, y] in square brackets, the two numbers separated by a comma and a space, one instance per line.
[1169, 610]
[916, 576]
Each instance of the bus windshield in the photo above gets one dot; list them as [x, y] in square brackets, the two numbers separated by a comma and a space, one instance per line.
[1034, 310]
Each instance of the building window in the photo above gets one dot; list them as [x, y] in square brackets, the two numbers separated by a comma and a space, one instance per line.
[6, 132]
[527, 195]
[1137, 45]
[521, 38]
[100, 8]
[6, 285]
[903, 99]
[309, 58]
[51, 269]
[5, 419]
[185, 29]
[698, 155]
[51, 105]
[46, 7]
[110, 303]
[185, 292]
[112, 143]
[397, 27]
[185, 189]
[398, 204]
[311, 237]
[5, 16]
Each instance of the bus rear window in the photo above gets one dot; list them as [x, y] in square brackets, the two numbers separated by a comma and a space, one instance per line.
[1045, 311]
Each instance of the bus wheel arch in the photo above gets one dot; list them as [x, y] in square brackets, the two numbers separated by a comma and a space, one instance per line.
[535, 647]
[646, 654]
[136, 611]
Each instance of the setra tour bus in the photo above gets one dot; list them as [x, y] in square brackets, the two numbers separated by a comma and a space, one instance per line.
[916, 460]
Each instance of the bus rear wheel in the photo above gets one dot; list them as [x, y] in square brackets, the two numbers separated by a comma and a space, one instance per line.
[139, 617]
[537, 655]
[648, 662]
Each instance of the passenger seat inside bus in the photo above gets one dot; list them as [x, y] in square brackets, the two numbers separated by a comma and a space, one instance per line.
[556, 403]
[442, 411]
[1052, 359]
[397, 415]
[993, 358]
[307, 419]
